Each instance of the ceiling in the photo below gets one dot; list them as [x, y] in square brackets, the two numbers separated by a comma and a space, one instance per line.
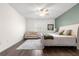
[30, 10]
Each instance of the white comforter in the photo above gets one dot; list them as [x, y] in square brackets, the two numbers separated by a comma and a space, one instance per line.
[62, 36]
[61, 40]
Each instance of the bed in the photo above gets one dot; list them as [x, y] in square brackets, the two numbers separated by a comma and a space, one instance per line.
[60, 40]
[65, 40]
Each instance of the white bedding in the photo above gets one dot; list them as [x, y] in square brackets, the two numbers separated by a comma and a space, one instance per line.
[63, 36]
[61, 40]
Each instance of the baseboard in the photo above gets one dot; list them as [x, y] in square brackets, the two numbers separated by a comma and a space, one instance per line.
[10, 45]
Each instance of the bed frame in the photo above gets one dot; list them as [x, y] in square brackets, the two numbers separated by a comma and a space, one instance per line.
[75, 32]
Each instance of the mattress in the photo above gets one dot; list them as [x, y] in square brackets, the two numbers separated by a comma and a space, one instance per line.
[61, 40]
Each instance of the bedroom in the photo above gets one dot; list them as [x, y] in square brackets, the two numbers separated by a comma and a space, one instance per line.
[26, 25]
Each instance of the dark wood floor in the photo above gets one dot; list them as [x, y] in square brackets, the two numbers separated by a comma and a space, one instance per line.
[47, 51]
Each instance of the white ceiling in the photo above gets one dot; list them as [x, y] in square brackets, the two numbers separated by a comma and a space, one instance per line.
[29, 10]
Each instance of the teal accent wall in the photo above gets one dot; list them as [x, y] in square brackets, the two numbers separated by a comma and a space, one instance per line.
[68, 18]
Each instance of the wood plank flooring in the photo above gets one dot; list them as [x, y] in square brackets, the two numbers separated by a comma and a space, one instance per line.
[47, 51]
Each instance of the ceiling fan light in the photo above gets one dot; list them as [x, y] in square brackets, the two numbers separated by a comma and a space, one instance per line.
[43, 13]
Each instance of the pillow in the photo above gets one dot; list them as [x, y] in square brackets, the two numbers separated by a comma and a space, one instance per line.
[67, 32]
[61, 32]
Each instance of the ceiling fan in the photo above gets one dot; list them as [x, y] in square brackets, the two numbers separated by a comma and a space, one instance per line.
[43, 11]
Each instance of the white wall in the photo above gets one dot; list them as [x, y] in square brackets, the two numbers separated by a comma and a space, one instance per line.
[39, 24]
[12, 26]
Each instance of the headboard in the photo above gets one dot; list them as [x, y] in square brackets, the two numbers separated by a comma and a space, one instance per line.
[74, 28]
